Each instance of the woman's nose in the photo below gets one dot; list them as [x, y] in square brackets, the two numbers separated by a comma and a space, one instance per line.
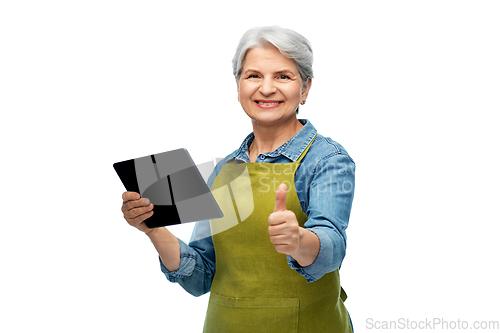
[267, 87]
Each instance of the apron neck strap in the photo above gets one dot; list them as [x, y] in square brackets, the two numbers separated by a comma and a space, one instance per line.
[305, 150]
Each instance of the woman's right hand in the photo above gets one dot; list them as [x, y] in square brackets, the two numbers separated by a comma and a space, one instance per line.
[136, 209]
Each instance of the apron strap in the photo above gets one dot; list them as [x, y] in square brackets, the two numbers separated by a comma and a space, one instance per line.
[307, 149]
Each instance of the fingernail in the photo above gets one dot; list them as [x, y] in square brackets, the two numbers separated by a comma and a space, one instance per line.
[145, 200]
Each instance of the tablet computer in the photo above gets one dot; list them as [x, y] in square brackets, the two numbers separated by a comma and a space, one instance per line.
[173, 184]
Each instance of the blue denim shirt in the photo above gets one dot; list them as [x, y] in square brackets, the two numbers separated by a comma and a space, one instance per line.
[324, 183]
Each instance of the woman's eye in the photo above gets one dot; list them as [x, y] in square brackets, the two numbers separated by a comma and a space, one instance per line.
[253, 76]
[284, 77]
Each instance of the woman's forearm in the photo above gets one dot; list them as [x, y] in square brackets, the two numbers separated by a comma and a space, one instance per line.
[167, 246]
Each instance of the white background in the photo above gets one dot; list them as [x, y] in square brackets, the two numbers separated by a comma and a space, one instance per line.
[409, 88]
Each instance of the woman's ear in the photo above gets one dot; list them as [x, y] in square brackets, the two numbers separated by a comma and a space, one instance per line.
[305, 89]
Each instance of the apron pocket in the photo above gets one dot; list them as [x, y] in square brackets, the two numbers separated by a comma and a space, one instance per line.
[239, 315]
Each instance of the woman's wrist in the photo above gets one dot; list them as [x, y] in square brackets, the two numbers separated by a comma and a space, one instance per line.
[167, 246]
[308, 250]
[152, 232]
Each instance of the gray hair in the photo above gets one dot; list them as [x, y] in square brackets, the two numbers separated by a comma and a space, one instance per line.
[290, 43]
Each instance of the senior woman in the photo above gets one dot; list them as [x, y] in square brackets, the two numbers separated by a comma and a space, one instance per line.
[272, 263]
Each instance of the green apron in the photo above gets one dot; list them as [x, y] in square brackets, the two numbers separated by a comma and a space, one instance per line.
[254, 289]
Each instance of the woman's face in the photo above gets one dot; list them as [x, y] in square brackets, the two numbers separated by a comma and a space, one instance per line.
[270, 87]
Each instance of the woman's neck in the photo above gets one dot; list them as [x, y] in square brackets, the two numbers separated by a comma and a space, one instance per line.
[269, 138]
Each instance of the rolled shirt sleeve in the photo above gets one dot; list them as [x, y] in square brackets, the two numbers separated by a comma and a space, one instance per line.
[197, 266]
[186, 267]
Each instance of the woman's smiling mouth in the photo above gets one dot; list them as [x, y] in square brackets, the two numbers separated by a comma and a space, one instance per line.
[267, 104]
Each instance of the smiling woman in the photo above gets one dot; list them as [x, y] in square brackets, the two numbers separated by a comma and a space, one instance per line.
[271, 264]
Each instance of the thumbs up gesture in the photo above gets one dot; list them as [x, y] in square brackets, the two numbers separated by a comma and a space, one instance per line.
[284, 230]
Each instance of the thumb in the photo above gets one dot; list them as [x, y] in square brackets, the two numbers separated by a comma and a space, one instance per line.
[280, 198]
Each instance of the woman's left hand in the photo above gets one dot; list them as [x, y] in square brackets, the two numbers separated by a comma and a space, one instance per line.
[284, 229]
[286, 234]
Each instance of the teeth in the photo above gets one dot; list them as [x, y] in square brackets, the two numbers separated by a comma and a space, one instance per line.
[268, 103]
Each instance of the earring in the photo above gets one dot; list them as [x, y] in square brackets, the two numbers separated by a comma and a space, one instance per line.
[303, 102]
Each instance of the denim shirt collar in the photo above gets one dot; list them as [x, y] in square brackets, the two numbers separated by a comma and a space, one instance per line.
[291, 149]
